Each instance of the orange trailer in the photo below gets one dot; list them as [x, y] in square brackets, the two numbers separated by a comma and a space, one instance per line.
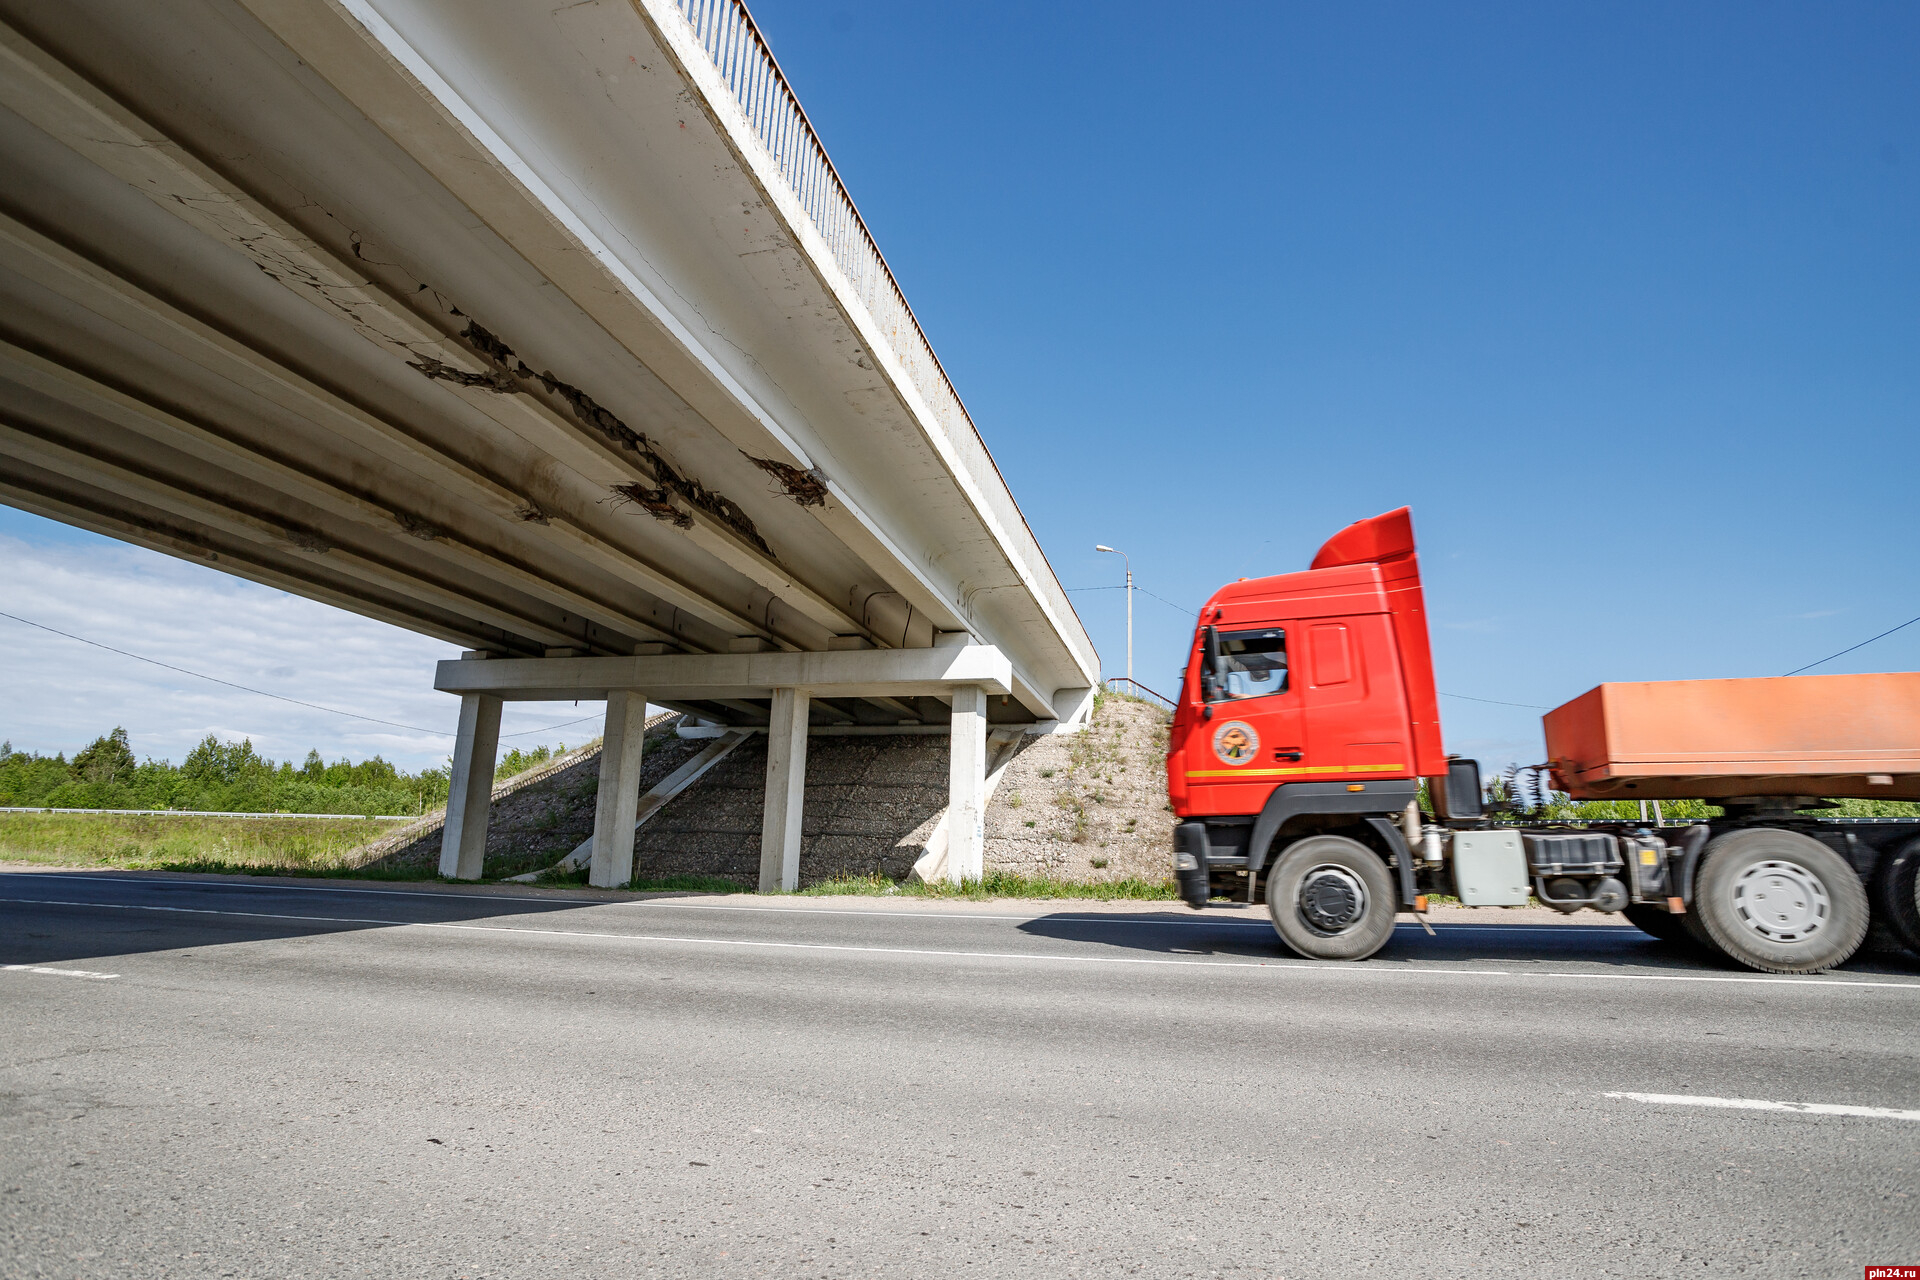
[1852, 736]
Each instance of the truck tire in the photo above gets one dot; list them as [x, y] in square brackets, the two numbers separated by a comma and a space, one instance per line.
[1331, 898]
[1661, 924]
[1896, 894]
[1779, 901]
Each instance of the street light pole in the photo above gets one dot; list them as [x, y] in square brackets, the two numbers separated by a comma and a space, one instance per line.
[1129, 564]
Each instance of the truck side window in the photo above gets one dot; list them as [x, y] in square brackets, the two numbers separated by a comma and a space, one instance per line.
[1253, 664]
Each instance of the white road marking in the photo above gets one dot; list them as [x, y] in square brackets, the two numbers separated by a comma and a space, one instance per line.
[58, 973]
[1758, 1104]
[1302, 966]
[680, 905]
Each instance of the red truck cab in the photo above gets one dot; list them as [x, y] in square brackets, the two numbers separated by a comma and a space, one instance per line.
[1308, 717]
[1324, 676]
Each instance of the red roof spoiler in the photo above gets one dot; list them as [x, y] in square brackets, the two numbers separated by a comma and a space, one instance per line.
[1378, 540]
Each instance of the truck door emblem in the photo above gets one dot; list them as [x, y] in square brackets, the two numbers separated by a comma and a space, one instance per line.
[1235, 742]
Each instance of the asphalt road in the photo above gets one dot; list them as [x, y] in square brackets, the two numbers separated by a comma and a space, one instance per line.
[292, 1080]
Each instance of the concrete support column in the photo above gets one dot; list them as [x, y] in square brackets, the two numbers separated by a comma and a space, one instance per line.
[786, 791]
[613, 813]
[463, 840]
[967, 786]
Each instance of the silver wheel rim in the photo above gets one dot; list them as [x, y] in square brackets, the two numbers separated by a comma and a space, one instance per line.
[1330, 876]
[1781, 901]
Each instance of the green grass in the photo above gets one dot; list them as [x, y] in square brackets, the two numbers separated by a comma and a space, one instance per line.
[253, 846]
[997, 884]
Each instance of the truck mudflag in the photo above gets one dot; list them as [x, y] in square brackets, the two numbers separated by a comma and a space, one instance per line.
[1307, 721]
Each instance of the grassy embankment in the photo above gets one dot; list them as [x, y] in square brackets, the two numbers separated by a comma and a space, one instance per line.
[225, 776]
[179, 842]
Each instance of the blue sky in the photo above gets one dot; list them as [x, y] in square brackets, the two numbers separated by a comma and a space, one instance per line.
[1623, 300]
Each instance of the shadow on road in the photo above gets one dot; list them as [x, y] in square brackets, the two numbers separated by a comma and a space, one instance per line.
[1248, 935]
[48, 917]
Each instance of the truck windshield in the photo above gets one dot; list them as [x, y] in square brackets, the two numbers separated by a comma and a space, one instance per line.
[1253, 664]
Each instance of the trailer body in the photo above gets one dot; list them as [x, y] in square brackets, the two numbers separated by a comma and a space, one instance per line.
[1832, 736]
[1308, 720]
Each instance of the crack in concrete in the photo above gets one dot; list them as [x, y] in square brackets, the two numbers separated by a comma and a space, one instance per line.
[507, 374]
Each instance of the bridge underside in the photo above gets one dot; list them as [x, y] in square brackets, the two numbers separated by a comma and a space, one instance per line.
[545, 331]
[277, 296]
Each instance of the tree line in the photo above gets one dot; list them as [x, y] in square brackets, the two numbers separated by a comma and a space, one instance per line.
[228, 777]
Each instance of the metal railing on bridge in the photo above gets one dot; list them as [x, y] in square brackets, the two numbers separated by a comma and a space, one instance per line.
[727, 32]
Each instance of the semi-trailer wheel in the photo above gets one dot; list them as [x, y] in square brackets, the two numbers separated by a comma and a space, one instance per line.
[1661, 924]
[1896, 893]
[1779, 901]
[1331, 898]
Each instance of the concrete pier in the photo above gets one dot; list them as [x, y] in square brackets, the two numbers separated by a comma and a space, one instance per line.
[463, 841]
[966, 786]
[619, 796]
[786, 791]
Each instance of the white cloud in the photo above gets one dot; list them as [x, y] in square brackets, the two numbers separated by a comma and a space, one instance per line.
[61, 694]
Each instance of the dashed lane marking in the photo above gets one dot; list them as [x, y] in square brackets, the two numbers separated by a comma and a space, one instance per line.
[1302, 966]
[1760, 1104]
[58, 973]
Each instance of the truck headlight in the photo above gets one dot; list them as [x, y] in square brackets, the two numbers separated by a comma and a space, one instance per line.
[1184, 861]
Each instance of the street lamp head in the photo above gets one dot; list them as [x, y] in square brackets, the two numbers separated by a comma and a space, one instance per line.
[1108, 549]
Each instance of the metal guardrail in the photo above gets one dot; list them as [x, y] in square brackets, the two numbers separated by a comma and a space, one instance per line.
[1139, 690]
[727, 32]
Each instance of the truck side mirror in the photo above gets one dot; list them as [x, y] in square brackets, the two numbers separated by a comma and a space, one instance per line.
[1458, 794]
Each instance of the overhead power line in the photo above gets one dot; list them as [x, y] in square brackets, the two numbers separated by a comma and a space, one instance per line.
[1863, 644]
[1143, 591]
[277, 697]
[1493, 701]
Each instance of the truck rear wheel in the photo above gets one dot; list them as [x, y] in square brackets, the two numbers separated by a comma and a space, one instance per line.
[1331, 898]
[1779, 901]
[1896, 896]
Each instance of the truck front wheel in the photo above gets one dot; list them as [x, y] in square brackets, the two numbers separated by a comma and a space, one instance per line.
[1331, 898]
[1779, 901]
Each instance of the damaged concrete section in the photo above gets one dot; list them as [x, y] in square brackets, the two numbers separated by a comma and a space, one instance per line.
[492, 380]
[654, 501]
[507, 374]
[807, 487]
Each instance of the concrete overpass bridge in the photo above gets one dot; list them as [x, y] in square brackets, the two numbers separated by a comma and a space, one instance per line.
[549, 331]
